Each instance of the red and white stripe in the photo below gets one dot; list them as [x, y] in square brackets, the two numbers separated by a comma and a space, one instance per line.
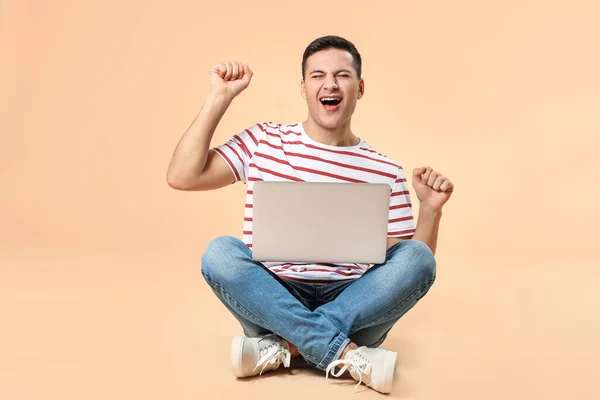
[280, 152]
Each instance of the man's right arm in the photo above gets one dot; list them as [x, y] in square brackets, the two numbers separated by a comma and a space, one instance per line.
[193, 166]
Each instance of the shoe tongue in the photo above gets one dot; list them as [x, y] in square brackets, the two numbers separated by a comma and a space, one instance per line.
[267, 340]
[355, 372]
[284, 344]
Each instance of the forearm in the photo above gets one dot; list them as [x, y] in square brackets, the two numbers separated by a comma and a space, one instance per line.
[189, 157]
[428, 224]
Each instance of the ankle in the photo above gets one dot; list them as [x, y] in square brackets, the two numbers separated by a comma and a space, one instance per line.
[350, 346]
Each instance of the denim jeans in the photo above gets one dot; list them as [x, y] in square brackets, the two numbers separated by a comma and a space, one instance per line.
[319, 319]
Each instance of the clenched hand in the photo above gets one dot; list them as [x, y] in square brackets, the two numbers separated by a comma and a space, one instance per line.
[432, 188]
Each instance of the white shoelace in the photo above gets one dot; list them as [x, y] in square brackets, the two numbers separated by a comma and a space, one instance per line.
[357, 363]
[273, 354]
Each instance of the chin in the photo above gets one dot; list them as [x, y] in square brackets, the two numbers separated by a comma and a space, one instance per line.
[333, 123]
[330, 124]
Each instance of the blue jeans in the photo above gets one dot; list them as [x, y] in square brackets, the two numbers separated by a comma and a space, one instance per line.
[320, 320]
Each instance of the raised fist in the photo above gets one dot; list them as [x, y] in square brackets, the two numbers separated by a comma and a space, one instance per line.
[230, 78]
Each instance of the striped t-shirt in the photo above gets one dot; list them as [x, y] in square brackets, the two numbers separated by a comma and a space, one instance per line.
[284, 152]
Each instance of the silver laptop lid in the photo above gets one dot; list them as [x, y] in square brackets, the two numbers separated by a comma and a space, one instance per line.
[320, 222]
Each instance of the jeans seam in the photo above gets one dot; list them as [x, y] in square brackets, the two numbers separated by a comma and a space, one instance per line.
[332, 350]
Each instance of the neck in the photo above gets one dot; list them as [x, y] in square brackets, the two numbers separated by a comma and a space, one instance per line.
[339, 136]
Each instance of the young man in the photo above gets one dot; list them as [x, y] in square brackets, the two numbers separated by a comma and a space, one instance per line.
[332, 315]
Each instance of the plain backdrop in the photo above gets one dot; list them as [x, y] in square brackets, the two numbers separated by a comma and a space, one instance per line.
[100, 288]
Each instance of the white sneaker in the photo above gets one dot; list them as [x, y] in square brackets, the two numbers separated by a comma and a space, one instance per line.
[250, 354]
[373, 367]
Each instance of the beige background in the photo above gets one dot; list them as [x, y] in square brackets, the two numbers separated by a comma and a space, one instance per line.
[100, 290]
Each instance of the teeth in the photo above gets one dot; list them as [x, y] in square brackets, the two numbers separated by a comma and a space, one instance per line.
[329, 98]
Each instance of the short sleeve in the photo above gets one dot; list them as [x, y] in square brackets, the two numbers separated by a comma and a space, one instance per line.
[401, 221]
[239, 149]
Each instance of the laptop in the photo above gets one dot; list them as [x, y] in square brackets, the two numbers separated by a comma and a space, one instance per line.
[320, 222]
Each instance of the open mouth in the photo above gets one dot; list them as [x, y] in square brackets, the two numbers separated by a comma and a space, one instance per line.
[330, 103]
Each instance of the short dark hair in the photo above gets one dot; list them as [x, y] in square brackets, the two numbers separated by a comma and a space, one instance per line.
[332, 42]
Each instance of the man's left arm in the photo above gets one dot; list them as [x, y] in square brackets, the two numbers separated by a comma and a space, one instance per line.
[433, 191]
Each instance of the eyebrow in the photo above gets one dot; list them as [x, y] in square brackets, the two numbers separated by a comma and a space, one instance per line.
[335, 72]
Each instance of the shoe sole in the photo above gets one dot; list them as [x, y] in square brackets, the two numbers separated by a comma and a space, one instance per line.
[237, 347]
[389, 366]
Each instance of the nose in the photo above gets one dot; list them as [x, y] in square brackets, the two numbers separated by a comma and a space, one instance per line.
[331, 83]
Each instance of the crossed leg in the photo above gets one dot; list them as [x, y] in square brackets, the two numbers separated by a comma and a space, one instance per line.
[361, 315]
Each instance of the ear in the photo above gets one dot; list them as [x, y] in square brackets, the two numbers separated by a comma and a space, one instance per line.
[302, 89]
[361, 88]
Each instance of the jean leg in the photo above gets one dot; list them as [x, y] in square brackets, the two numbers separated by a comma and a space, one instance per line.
[249, 328]
[256, 294]
[368, 308]
[372, 336]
